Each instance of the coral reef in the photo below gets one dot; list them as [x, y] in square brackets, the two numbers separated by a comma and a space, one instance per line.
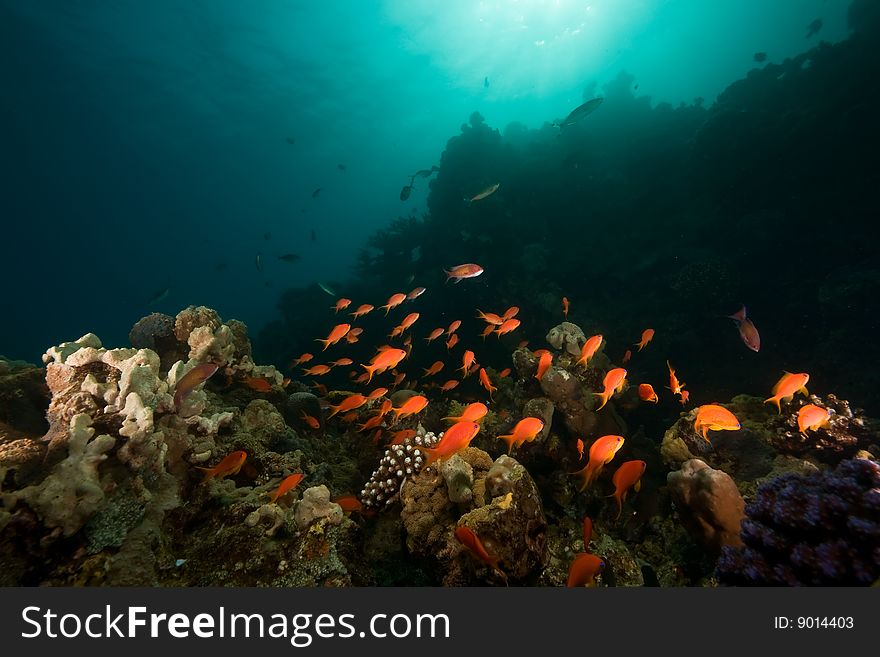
[816, 530]
[399, 463]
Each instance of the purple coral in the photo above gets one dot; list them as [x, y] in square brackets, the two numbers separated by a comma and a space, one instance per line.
[821, 529]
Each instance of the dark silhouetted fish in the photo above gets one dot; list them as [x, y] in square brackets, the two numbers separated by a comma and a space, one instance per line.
[289, 257]
[341, 167]
[220, 266]
[258, 261]
[314, 237]
[580, 112]
[316, 192]
[291, 140]
[486, 82]
[814, 27]
[267, 236]
[424, 173]
[159, 297]
[760, 56]
[405, 192]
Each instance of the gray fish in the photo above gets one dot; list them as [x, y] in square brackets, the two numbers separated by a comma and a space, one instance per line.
[291, 140]
[267, 236]
[259, 262]
[424, 173]
[760, 56]
[814, 27]
[159, 297]
[327, 289]
[580, 112]
[289, 257]
[405, 192]
[341, 167]
[316, 192]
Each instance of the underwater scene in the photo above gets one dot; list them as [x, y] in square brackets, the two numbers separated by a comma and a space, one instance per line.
[474, 293]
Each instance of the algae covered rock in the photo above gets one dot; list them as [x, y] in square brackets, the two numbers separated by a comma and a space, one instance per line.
[567, 336]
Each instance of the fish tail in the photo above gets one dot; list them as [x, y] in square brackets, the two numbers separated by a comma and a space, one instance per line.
[326, 343]
[209, 474]
[604, 397]
[585, 476]
[509, 439]
[370, 369]
[775, 400]
[431, 455]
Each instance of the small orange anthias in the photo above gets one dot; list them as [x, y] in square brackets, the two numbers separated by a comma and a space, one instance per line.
[456, 438]
[258, 384]
[580, 449]
[583, 570]
[647, 336]
[486, 382]
[286, 486]
[350, 403]
[716, 418]
[614, 381]
[627, 475]
[676, 386]
[591, 346]
[473, 413]
[525, 430]
[336, 334]
[230, 465]
[546, 359]
[601, 452]
[565, 306]
[646, 393]
[588, 531]
[812, 417]
[411, 406]
[786, 387]
[472, 543]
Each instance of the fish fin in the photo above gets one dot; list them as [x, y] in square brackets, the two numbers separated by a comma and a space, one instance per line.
[775, 400]
[601, 395]
[209, 474]
[804, 391]
[739, 315]
[638, 486]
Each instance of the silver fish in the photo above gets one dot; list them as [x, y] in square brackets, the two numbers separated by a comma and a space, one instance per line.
[580, 112]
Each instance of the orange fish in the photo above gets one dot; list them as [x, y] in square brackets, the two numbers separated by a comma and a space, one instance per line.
[467, 360]
[398, 379]
[319, 387]
[385, 407]
[355, 332]
[415, 294]
[436, 367]
[191, 380]
[456, 438]
[285, 382]
[486, 382]
[473, 545]
[352, 337]
[473, 413]
[349, 504]
[341, 304]
[305, 358]
[449, 385]
[378, 392]
[453, 327]
[588, 531]
[411, 406]
[583, 570]
[522, 344]
[812, 417]
[362, 310]
[385, 360]
[258, 384]
[786, 387]
[626, 356]
[409, 320]
[591, 346]
[230, 465]
[452, 341]
[628, 474]
[646, 393]
[544, 364]
[393, 301]
[490, 318]
[397, 330]
[747, 330]
[348, 404]
[525, 430]
[362, 378]
[403, 434]
[350, 417]
[436, 333]
[614, 381]
[716, 418]
[580, 449]
[508, 326]
[460, 272]
[486, 331]
[510, 313]
[674, 385]
[647, 336]
[685, 395]
[286, 486]
[372, 423]
[601, 452]
[565, 306]
[335, 336]
[316, 370]
[504, 373]
[341, 362]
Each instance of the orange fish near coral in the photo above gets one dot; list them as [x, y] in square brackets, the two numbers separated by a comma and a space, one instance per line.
[786, 387]
[510, 313]
[583, 570]
[647, 336]
[305, 358]
[565, 306]
[601, 452]
[646, 393]
[460, 272]
[372, 423]
[747, 331]
[286, 486]
[342, 362]
[467, 360]
[409, 320]
[349, 504]
[393, 301]
[580, 449]
[716, 418]
[362, 310]
[453, 327]
[335, 336]
[230, 465]
[385, 360]
[525, 430]
[472, 544]
[627, 475]
[399, 436]
[685, 395]
[588, 531]
[503, 374]
[456, 438]
[411, 406]
[434, 369]
[341, 304]
[626, 356]
[436, 333]
[191, 380]
[544, 364]
[508, 326]
[812, 417]
[486, 382]
[614, 381]
[452, 341]
[473, 413]
[674, 385]
[591, 346]
[486, 331]
[350, 403]
[258, 384]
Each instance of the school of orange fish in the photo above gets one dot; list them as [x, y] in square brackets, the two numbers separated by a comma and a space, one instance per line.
[585, 566]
